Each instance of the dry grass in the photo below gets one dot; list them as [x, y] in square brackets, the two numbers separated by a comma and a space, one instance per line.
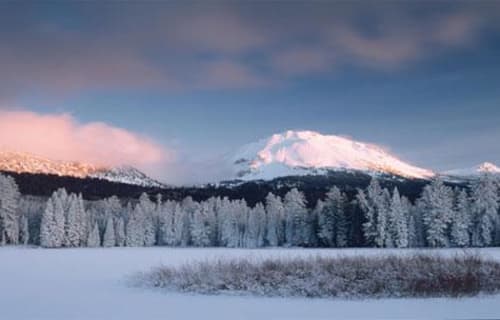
[346, 277]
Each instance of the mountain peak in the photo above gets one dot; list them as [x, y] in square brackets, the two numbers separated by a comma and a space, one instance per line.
[485, 167]
[488, 167]
[310, 152]
[19, 162]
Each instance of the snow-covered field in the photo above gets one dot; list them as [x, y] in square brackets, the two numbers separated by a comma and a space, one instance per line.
[91, 284]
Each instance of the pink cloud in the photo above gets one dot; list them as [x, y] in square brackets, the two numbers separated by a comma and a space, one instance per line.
[61, 137]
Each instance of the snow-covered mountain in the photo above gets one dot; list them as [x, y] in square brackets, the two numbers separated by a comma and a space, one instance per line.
[486, 167]
[28, 163]
[308, 152]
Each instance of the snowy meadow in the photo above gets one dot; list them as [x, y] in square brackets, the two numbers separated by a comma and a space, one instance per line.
[93, 283]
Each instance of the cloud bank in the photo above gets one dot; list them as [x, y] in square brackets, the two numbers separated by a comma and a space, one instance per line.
[224, 45]
[61, 137]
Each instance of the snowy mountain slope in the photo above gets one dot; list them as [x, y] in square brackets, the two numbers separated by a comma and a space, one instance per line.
[308, 152]
[486, 167]
[28, 163]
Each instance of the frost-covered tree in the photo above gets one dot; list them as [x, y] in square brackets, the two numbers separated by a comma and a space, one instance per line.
[47, 225]
[332, 222]
[436, 206]
[375, 203]
[255, 229]
[200, 227]
[229, 227]
[166, 220]
[295, 217]
[52, 231]
[398, 221]
[484, 208]
[9, 214]
[120, 236]
[135, 231]
[188, 208]
[94, 239]
[73, 226]
[24, 233]
[274, 221]
[461, 219]
[109, 233]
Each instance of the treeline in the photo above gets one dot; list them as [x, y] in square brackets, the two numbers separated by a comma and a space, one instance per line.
[376, 217]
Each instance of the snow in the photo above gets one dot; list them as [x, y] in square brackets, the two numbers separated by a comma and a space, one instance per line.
[91, 284]
[486, 167]
[28, 163]
[309, 152]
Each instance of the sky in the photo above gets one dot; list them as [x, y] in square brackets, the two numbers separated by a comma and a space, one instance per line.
[171, 86]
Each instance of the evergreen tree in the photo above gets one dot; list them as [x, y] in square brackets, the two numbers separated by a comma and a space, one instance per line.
[295, 217]
[200, 228]
[135, 231]
[375, 203]
[52, 232]
[24, 235]
[72, 226]
[47, 225]
[254, 235]
[120, 237]
[109, 233]
[484, 209]
[229, 228]
[167, 224]
[332, 222]
[461, 220]
[398, 221]
[9, 214]
[94, 239]
[274, 218]
[436, 206]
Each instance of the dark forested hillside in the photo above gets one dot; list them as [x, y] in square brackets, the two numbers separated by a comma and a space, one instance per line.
[314, 187]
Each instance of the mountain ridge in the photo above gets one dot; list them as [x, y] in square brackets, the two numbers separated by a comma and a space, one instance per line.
[20, 162]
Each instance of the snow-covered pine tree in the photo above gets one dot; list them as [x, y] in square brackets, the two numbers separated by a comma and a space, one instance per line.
[94, 239]
[295, 217]
[375, 203]
[109, 233]
[47, 225]
[179, 220]
[255, 229]
[148, 209]
[120, 237]
[461, 220]
[166, 219]
[188, 208]
[274, 220]
[82, 220]
[242, 211]
[229, 227]
[398, 221]
[436, 206]
[24, 233]
[135, 231]
[484, 208]
[72, 225]
[200, 228]
[9, 214]
[332, 222]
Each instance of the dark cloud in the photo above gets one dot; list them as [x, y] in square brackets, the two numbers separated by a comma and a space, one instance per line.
[60, 48]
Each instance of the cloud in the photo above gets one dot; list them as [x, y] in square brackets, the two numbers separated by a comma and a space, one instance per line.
[171, 46]
[61, 137]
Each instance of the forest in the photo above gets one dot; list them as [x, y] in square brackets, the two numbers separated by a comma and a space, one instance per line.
[375, 216]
